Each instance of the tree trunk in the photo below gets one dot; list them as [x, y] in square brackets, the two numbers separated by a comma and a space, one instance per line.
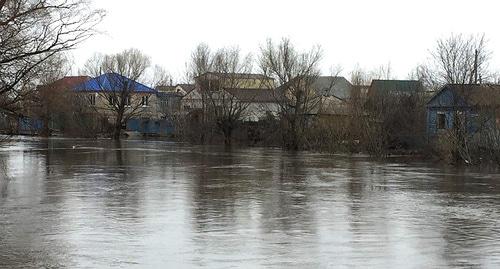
[117, 131]
[118, 126]
[46, 128]
[293, 143]
[228, 136]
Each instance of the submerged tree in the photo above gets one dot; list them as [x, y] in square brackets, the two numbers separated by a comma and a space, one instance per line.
[230, 71]
[218, 78]
[116, 79]
[296, 72]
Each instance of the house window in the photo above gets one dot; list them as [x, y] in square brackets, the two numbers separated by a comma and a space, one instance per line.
[441, 120]
[474, 119]
[145, 101]
[112, 100]
[92, 99]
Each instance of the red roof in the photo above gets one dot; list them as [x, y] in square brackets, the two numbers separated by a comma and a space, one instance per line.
[66, 82]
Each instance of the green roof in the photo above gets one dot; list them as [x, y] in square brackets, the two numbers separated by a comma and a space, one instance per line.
[395, 86]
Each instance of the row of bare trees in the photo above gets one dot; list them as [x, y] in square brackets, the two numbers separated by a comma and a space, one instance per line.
[376, 126]
[217, 110]
[217, 73]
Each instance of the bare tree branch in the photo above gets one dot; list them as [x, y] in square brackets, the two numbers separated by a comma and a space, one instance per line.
[31, 33]
[295, 72]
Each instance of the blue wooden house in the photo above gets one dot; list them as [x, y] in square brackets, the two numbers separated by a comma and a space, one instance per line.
[471, 106]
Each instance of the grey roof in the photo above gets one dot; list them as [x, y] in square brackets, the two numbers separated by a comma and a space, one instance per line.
[160, 94]
[333, 86]
[328, 86]
[474, 94]
[165, 88]
[186, 87]
[254, 95]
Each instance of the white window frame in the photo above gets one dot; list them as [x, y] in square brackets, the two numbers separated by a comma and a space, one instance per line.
[128, 101]
[146, 98]
[92, 99]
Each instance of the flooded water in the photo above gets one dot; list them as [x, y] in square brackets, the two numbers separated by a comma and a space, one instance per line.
[144, 204]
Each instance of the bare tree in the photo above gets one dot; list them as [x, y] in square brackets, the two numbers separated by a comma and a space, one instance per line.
[382, 72]
[201, 61]
[117, 76]
[218, 77]
[462, 61]
[459, 59]
[219, 89]
[196, 124]
[31, 32]
[358, 122]
[51, 102]
[359, 76]
[296, 72]
[160, 77]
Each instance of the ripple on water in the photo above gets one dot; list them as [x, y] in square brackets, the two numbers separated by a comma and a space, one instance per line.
[156, 204]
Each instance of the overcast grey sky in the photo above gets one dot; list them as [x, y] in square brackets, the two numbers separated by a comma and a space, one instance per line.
[365, 32]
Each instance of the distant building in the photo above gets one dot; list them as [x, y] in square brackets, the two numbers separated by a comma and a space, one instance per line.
[141, 102]
[260, 103]
[336, 86]
[335, 93]
[468, 106]
[183, 89]
[255, 91]
[169, 103]
[96, 99]
[65, 83]
[380, 88]
[328, 95]
[101, 91]
[169, 98]
[383, 95]
[234, 80]
[396, 111]
[166, 89]
[46, 110]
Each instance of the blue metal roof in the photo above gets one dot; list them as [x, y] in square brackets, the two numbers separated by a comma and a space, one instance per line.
[112, 82]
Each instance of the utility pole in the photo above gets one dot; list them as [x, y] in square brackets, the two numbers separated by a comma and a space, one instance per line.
[475, 66]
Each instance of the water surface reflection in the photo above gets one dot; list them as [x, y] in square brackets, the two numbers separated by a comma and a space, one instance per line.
[145, 204]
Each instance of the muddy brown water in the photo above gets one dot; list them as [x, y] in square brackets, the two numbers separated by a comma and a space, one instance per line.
[144, 204]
